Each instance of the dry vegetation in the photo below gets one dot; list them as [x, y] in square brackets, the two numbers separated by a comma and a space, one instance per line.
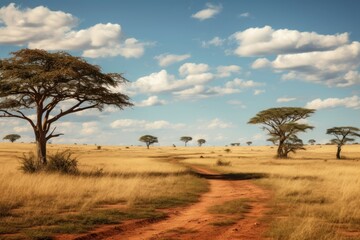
[129, 179]
[315, 196]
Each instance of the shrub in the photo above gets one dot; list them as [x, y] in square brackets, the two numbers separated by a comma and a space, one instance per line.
[29, 164]
[62, 162]
[227, 150]
[220, 162]
[98, 147]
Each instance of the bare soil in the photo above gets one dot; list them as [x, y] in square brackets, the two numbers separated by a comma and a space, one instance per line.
[195, 221]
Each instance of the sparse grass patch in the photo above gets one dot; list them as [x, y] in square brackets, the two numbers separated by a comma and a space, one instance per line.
[224, 222]
[237, 206]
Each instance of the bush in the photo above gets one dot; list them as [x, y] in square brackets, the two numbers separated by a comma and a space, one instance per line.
[29, 164]
[220, 162]
[62, 162]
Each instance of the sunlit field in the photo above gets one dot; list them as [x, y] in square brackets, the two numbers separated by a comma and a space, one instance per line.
[314, 196]
[130, 179]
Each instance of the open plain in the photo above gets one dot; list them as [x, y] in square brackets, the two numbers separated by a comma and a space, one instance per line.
[183, 193]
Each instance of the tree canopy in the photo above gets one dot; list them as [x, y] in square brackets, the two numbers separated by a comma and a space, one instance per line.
[201, 141]
[185, 139]
[282, 126]
[12, 137]
[39, 80]
[148, 140]
[342, 136]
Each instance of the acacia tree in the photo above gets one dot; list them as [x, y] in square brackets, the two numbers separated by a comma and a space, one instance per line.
[148, 140]
[12, 137]
[282, 127]
[342, 135]
[249, 143]
[312, 141]
[185, 139]
[201, 142]
[37, 80]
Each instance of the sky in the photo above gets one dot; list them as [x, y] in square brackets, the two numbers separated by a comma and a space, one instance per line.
[198, 68]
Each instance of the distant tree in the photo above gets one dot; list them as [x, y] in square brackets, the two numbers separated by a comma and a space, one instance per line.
[282, 126]
[40, 80]
[312, 141]
[201, 141]
[185, 139]
[12, 137]
[342, 135]
[234, 144]
[249, 143]
[148, 140]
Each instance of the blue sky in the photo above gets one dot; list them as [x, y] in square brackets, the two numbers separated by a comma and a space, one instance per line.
[199, 68]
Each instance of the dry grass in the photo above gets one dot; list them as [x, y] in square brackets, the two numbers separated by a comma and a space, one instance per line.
[132, 178]
[315, 196]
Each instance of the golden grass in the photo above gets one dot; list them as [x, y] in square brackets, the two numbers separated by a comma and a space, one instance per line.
[133, 177]
[315, 196]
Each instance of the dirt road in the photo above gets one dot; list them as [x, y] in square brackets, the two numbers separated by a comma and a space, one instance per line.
[195, 221]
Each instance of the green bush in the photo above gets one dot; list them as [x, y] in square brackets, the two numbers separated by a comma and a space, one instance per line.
[62, 162]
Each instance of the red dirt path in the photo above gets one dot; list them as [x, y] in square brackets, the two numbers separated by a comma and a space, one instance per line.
[194, 221]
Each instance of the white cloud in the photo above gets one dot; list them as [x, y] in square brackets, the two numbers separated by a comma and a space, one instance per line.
[140, 125]
[245, 15]
[193, 68]
[43, 28]
[240, 83]
[216, 41]
[265, 40]
[349, 102]
[162, 81]
[217, 123]
[226, 71]
[336, 67]
[284, 99]
[168, 59]
[261, 63]
[89, 128]
[208, 12]
[258, 91]
[237, 103]
[151, 101]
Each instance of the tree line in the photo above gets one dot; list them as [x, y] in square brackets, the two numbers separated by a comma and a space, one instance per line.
[40, 80]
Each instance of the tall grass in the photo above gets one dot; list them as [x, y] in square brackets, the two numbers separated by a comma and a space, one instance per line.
[129, 181]
[315, 195]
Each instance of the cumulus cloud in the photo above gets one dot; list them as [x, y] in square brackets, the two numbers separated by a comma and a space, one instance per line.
[230, 87]
[216, 41]
[168, 59]
[336, 67]
[163, 82]
[89, 128]
[217, 123]
[193, 68]
[43, 28]
[138, 125]
[226, 71]
[284, 99]
[266, 40]
[151, 101]
[209, 12]
[348, 102]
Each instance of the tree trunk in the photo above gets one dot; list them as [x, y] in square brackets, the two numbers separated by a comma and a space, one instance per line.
[281, 153]
[41, 149]
[338, 152]
[147, 145]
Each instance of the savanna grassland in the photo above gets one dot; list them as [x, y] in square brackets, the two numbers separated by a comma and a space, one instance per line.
[313, 196]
